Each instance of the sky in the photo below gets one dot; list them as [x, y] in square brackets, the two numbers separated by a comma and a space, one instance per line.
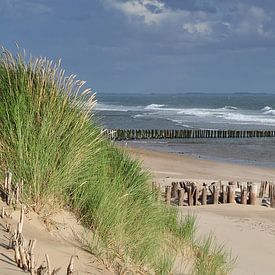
[150, 46]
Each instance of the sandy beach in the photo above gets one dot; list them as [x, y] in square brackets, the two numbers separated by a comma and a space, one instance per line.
[248, 231]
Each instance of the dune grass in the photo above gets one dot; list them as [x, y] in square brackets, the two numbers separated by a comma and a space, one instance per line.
[48, 138]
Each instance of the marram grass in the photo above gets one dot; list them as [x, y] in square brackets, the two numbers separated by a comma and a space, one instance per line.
[48, 137]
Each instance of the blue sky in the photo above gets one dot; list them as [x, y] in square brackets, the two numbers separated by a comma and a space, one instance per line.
[165, 46]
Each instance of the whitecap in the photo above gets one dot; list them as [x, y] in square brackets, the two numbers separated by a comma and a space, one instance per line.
[266, 108]
[230, 108]
[154, 106]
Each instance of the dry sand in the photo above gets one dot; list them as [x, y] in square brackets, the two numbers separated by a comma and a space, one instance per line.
[248, 231]
[59, 239]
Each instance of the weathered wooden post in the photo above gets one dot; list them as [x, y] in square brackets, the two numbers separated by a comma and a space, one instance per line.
[168, 194]
[224, 193]
[195, 193]
[215, 194]
[180, 196]
[175, 187]
[204, 195]
[189, 195]
[262, 189]
[253, 194]
[272, 195]
[231, 193]
[244, 195]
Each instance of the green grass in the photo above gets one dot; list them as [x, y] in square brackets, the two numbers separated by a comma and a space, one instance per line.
[212, 258]
[48, 137]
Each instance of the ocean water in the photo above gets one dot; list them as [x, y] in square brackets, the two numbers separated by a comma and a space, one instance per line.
[152, 111]
[192, 111]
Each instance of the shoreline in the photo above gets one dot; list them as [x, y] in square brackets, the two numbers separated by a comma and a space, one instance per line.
[179, 166]
[249, 152]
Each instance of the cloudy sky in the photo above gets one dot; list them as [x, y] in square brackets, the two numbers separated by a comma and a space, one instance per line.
[166, 46]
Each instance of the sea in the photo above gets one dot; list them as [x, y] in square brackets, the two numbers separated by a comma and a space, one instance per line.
[236, 111]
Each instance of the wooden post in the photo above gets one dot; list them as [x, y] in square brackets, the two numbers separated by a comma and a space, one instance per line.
[272, 195]
[70, 268]
[3, 212]
[168, 194]
[263, 188]
[180, 196]
[204, 196]
[21, 221]
[253, 194]
[216, 192]
[244, 195]
[231, 193]
[31, 257]
[49, 270]
[22, 252]
[190, 195]
[175, 187]
[224, 194]
[195, 193]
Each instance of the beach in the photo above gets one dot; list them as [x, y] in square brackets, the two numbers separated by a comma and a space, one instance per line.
[248, 231]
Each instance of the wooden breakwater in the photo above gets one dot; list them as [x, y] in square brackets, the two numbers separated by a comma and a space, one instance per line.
[187, 193]
[128, 134]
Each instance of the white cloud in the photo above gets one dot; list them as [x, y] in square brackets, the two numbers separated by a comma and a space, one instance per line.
[203, 28]
[18, 7]
[253, 20]
[232, 20]
[150, 11]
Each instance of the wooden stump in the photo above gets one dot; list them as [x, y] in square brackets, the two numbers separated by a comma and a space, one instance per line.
[175, 187]
[204, 196]
[215, 194]
[231, 193]
[189, 195]
[262, 190]
[224, 194]
[168, 194]
[244, 196]
[272, 195]
[180, 196]
[253, 194]
[195, 193]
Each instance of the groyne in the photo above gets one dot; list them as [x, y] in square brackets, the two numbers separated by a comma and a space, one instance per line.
[187, 193]
[128, 134]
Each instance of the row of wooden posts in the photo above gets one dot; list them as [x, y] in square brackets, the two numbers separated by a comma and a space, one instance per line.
[24, 257]
[192, 194]
[128, 134]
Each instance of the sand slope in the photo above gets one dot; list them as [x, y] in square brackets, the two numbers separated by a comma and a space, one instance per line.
[59, 244]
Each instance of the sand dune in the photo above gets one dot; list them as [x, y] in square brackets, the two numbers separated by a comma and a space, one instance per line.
[249, 231]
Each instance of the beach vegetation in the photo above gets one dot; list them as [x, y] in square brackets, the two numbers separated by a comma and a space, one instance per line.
[49, 138]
